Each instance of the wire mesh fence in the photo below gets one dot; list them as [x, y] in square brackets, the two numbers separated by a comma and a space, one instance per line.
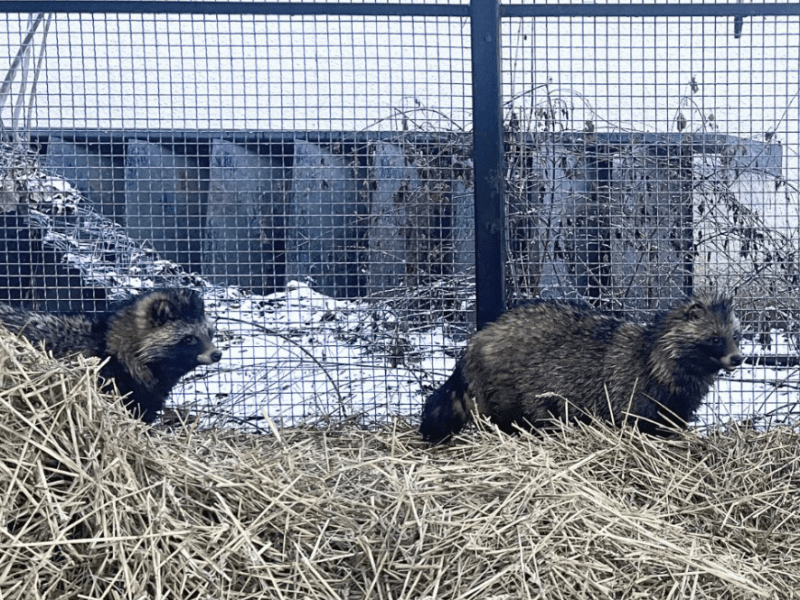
[313, 173]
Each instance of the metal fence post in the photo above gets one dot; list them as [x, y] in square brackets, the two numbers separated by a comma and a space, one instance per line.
[490, 219]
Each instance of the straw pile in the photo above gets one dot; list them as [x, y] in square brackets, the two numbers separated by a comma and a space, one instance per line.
[96, 505]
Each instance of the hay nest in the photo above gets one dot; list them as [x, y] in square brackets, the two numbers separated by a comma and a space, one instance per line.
[94, 504]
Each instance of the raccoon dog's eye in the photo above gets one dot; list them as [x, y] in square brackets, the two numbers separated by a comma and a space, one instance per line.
[188, 340]
[716, 340]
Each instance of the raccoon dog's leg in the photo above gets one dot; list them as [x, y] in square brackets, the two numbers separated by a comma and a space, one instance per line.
[447, 409]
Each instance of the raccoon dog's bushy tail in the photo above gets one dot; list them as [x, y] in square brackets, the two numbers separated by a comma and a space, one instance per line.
[447, 410]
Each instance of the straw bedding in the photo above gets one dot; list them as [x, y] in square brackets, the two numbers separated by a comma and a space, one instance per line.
[94, 504]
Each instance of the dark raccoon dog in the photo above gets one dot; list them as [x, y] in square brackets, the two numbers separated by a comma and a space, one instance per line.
[567, 360]
[151, 340]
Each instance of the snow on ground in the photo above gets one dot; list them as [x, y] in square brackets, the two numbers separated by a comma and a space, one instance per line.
[299, 357]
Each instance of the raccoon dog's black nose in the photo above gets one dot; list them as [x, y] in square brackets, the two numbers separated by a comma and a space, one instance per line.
[736, 360]
[217, 355]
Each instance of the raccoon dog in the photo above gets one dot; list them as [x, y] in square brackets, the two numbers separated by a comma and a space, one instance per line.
[151, 341]
[567, 360]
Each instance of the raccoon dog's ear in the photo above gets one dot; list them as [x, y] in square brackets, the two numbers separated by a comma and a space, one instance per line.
[162, 311]
[694, 310]
[720, 303]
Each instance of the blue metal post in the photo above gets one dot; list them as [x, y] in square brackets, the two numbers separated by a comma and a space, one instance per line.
[490, 218]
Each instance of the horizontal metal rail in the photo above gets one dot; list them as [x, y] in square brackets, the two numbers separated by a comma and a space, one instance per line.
[239, 8]
[400, 9]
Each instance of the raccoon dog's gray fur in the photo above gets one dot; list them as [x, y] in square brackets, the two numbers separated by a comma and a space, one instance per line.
[151, 340]
[522, 369]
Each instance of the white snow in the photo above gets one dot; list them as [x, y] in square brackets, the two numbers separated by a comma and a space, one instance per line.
[300, 357]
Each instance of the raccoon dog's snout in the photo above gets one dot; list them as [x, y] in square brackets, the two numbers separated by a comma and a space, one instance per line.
[731, 362]
[210, 357]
